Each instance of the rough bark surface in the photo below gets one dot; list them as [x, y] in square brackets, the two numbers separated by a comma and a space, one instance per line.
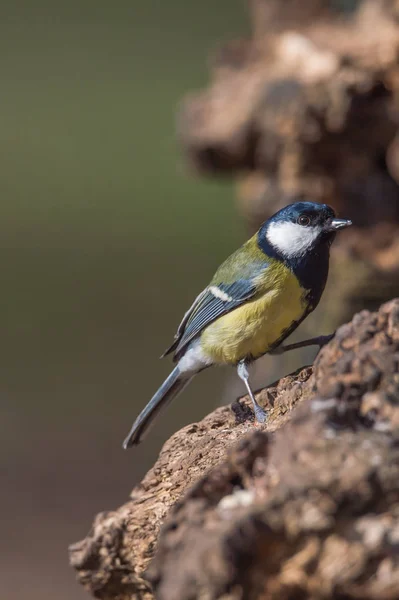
[306, 507]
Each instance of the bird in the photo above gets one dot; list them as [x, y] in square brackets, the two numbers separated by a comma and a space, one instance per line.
[255, 300]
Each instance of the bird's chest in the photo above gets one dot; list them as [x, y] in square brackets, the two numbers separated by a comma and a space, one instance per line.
[253, 329]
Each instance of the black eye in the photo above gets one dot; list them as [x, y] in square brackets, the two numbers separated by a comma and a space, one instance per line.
[304, 220]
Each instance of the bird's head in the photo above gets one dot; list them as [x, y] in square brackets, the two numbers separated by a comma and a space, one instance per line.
[299, 228]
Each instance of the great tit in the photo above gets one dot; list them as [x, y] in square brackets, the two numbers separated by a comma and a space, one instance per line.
[256, 299]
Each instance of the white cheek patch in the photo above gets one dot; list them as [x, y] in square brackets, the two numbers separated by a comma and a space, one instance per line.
[291, 239]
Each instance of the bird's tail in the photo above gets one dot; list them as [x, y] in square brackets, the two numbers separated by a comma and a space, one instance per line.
[170, 388]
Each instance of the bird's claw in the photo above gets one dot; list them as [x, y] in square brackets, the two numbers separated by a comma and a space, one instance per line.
[324, 339]
[260, 415]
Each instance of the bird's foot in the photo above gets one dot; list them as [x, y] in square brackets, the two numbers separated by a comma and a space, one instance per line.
[260, 414]
[320, 341]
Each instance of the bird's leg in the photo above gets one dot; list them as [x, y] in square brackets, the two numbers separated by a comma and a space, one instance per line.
[320, 341]
[242, 371]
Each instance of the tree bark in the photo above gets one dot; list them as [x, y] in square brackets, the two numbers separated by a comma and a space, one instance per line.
[304, 507]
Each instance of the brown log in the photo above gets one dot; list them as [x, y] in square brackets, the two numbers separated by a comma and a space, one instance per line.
[305, 507]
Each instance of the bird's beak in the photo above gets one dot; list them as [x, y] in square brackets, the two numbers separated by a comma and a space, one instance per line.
[336, 224]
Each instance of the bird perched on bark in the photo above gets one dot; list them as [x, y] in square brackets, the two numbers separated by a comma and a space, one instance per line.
[255, 300]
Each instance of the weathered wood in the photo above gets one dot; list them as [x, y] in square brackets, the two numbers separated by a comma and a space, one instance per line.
[306, 507]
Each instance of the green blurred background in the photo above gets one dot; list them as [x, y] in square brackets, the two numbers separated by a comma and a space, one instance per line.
[105, 240]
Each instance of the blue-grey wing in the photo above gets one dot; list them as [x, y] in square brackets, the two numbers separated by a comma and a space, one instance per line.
[212, 303]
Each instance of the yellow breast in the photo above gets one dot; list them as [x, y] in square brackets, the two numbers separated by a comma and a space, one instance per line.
[253, 328]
